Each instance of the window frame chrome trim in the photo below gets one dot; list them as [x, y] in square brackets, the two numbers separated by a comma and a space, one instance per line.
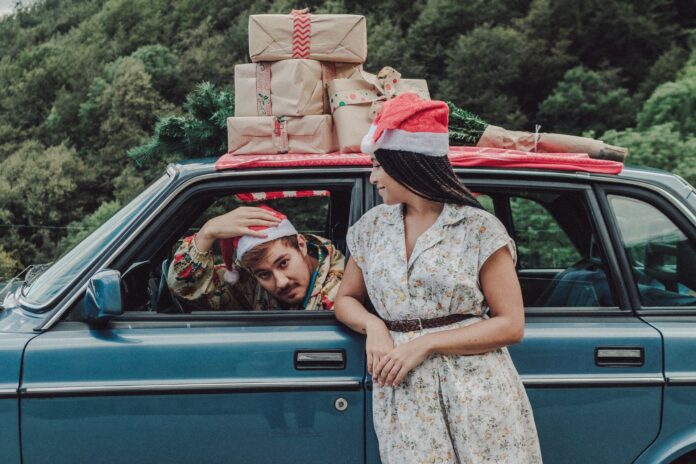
[172, 195]
[175, 172]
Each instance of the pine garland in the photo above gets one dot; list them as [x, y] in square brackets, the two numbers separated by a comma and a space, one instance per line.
[465, 128]
[202, 132]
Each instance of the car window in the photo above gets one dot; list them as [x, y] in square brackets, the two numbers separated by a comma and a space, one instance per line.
[321, 216]
[69, 266]
[560, 262]
[541, 243]
[663, 259]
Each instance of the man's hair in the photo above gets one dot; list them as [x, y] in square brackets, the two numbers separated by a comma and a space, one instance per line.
[253, 257]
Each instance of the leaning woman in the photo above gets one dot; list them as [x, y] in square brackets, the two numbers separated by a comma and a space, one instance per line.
[440, 272]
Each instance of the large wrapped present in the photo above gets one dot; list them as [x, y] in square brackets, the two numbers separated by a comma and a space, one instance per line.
[286, 88]
[323, 37]
[280, 134]
[355, 102]
[498, 137]
[289, 88]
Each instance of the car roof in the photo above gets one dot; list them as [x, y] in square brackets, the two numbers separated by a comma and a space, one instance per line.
[466, 158]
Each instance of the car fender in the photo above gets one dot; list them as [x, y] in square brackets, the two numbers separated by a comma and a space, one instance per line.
[667, 449]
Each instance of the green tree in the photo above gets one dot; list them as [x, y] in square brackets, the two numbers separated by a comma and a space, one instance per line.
[587, 100]
[9, 266]
[673, 102]
[660, 146]
[482, 66]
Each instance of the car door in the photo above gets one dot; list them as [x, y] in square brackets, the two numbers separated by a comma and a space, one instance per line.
[205, 387]
[592, 369]
[656, 244]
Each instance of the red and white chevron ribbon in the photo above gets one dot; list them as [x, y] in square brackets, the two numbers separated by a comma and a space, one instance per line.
[301, 33]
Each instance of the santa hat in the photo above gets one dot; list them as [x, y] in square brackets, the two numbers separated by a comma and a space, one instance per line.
[409, 123]
[247, 242]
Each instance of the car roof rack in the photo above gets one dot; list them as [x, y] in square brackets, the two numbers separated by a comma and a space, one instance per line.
[458, 156]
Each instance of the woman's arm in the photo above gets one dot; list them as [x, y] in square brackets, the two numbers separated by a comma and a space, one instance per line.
[501, 288]
[349, 309]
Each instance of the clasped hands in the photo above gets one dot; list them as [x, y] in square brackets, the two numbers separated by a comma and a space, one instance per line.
[389, 365]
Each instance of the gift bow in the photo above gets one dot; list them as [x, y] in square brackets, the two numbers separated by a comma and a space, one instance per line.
[384, 85]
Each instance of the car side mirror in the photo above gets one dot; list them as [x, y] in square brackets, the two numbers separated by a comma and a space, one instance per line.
[103, 297]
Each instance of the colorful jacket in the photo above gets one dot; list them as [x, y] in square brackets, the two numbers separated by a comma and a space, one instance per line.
[195, 278]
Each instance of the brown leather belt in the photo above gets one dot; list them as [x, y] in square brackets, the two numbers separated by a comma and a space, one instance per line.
[411, 325]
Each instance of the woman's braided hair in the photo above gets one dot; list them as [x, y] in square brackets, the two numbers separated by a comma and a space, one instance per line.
[430, 177]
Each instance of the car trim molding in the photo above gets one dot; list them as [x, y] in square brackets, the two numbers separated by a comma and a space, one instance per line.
[681, 380]
[589, 381]
[8, 393]
[214, 387]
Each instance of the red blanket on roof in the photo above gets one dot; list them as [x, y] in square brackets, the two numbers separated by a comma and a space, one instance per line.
[458, 156]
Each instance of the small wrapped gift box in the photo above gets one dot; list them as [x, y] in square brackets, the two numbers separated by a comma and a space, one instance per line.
[355, 102]
[498, 137]
[323, 37]
[286, 88]
[280, 134]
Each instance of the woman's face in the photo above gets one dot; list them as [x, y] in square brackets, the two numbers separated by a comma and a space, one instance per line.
[389, 189]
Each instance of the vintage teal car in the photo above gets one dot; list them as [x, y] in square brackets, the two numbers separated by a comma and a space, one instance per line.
[101, 365]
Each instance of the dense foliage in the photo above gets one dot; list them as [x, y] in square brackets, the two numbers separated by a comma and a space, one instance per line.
[85, 82]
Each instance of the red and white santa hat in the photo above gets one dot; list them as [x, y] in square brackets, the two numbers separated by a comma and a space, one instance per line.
[242, 244]
[409, 123]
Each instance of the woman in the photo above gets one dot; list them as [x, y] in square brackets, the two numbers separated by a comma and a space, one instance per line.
[440, 272]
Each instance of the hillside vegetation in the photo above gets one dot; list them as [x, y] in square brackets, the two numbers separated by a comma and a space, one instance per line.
[86, 82]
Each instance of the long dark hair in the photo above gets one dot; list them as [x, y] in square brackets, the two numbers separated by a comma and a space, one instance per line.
[430, 177]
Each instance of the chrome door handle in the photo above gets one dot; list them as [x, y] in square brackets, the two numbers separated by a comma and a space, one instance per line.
[320, 359]
[619, 356]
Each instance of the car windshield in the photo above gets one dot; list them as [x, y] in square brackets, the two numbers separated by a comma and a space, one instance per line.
[38, 293]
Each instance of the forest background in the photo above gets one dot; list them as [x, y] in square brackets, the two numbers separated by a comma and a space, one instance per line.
[87, 83]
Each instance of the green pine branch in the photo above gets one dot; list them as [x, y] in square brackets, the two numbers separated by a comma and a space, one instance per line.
[465, 128]
[200, 133]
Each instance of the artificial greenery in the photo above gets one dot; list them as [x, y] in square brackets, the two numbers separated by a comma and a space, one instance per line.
[465, 128]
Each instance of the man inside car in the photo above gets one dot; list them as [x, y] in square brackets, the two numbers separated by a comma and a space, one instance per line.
[280, 268]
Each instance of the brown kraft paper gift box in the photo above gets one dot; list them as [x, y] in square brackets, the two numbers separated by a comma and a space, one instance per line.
[324, 37]
[286, 88]
[280, 134]
[355, 102]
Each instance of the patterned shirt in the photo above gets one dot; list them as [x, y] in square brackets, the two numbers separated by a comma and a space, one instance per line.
[195, 278]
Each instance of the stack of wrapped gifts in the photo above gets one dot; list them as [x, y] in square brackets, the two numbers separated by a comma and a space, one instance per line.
[305, 90]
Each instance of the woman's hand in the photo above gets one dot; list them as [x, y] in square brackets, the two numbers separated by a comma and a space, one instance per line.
[393, 367]
[234, 224]
[378, 343]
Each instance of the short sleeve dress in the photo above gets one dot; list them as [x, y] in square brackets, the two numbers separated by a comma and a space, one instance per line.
[450, 409]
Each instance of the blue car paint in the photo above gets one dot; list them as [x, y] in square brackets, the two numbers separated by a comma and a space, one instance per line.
[11, 348]
[678, 434]
[228, 425]
[568, 417]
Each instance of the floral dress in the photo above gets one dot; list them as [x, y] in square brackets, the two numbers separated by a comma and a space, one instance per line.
[450, 409]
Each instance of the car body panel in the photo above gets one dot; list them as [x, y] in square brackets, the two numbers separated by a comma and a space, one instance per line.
[575, 402]
[678, 434]
[11, 349]
[167, 394]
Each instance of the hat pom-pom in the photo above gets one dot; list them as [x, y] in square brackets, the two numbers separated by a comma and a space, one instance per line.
[231, 276]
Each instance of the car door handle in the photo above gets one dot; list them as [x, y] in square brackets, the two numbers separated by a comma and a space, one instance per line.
[619, 356]
[320, 359]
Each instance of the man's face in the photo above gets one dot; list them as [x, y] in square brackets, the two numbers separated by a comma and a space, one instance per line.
[285, 272]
